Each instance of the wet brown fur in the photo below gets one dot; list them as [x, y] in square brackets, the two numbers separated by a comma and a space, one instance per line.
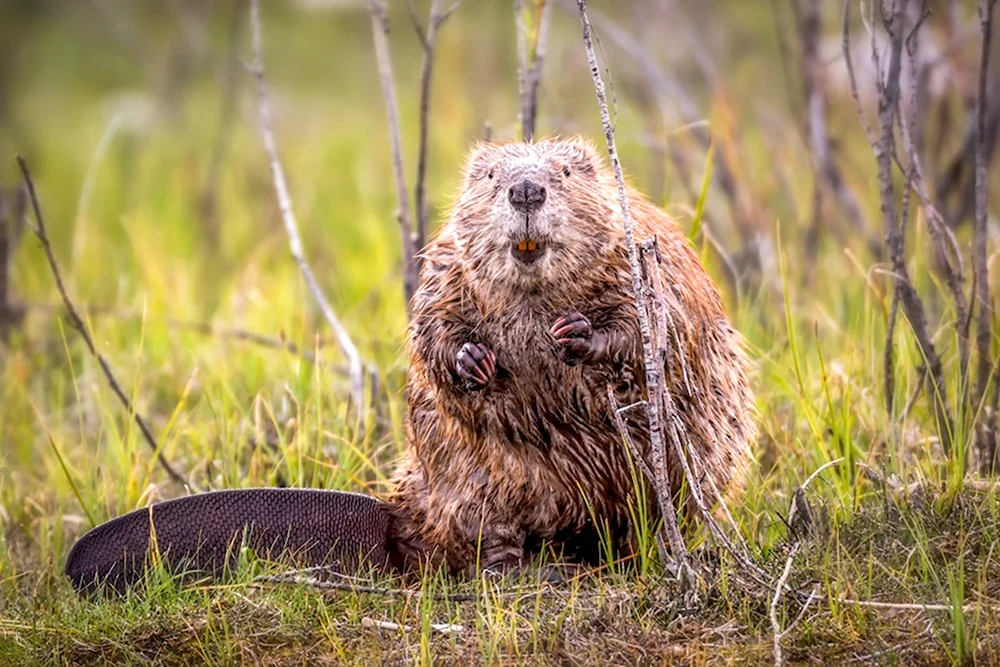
[488, 476]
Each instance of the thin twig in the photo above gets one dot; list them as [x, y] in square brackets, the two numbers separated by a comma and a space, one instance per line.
[429, 41]
[444, 628]
[779, 658]
[669, 347]
[77, 323]
[357, 372]
[664, 325]
[653, 373]
[380, 34]
[530, 64]
[662, 494]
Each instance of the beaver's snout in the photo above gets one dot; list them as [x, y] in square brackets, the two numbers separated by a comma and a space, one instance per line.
[526, 196]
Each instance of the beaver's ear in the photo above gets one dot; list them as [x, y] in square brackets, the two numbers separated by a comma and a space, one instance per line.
[479, 161]
[582, 155]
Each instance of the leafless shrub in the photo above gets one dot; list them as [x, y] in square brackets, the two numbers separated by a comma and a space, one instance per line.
[413, 236]
[903, 41]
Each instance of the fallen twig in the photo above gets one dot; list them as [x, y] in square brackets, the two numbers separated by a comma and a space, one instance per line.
[350, 585]
[357, 369]
[77, 323]
[444, 628]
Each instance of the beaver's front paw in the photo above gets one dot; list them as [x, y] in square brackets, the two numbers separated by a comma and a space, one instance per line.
[575, 340]
[476, 364]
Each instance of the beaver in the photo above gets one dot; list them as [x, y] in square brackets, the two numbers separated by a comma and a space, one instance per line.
[524, 316]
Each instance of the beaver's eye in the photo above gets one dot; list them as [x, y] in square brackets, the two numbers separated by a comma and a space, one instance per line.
[566, 171]
[489, 174]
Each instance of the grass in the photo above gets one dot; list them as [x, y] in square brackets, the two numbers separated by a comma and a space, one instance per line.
[138, 242]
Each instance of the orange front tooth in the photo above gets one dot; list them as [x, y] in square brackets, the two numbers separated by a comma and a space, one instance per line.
[522, 246]
[532, 246]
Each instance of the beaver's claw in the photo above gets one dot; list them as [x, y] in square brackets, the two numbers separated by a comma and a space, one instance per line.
[476, 364]
[574, 338]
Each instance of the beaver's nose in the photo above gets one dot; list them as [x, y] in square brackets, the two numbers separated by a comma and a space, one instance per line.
[526, 196]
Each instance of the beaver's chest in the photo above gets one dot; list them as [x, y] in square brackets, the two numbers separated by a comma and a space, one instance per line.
[536, 399]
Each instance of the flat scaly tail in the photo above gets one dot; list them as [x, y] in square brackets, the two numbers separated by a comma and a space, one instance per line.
[201, 534]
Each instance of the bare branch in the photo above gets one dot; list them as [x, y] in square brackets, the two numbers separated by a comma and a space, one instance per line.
[979, 265]
[530, 64]
[882, 145]
[663, 498]
[653, 370]
[77, 323]
[357, 368]
[429, 39]
[380, 33]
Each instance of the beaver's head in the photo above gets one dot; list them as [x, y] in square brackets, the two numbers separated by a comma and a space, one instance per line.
[532, 214]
